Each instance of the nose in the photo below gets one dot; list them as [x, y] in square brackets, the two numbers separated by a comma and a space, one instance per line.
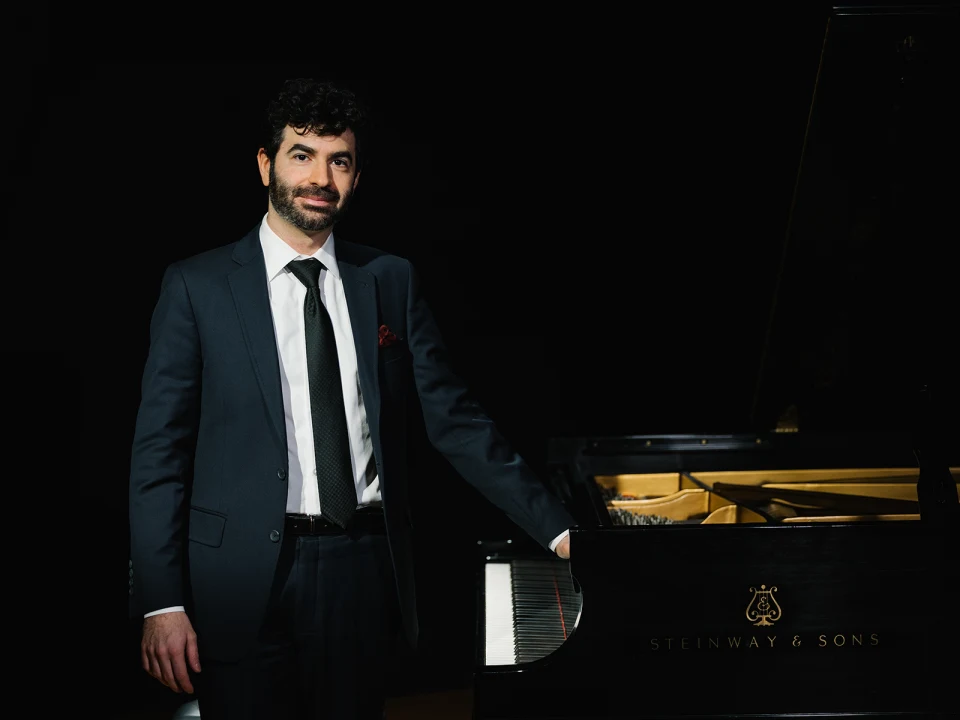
[320, 175]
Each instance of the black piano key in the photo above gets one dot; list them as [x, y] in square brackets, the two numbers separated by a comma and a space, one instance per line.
[545, 606]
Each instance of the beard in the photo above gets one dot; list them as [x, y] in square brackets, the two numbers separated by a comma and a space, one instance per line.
[308, 219]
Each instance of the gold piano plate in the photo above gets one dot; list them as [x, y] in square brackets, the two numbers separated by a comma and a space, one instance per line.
[643, 486]
[792, 496]
[731, 514]
[849, 518]
[681, 505]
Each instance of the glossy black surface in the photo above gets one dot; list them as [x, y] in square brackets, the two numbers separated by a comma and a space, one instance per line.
[664, 630]
[865, 297]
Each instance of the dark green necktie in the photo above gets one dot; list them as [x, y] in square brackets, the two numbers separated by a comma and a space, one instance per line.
[338, 495]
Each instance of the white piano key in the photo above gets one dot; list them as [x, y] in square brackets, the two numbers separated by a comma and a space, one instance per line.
[498, 608]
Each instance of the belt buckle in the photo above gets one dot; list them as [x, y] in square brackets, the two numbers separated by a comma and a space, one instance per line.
[312, 523]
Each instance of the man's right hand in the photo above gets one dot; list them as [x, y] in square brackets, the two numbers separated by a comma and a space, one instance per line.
[168, 643]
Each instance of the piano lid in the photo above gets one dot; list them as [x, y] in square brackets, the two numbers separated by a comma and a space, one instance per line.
[865, 304]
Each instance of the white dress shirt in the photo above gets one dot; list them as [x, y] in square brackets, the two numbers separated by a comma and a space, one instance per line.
[287, 295]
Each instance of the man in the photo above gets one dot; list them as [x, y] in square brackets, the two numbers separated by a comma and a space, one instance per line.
[270, 526]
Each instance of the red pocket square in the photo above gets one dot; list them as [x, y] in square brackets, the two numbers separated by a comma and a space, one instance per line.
[386, 336]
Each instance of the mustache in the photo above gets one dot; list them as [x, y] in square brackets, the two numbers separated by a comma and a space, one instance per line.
[317, 192]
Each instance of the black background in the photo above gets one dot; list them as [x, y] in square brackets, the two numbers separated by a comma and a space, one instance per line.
[598, 214]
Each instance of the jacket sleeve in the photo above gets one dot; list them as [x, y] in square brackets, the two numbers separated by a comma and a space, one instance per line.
[163, 444]
[460, 430]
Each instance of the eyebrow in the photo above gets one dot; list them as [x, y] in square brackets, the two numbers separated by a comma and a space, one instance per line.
[307, 150]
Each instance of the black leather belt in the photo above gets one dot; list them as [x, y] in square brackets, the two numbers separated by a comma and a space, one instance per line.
[368, 520]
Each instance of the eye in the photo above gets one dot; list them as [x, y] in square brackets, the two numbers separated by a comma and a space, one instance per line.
[341, 162]
[300, 156]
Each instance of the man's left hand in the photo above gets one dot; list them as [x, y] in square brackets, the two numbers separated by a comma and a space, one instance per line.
[563, 548]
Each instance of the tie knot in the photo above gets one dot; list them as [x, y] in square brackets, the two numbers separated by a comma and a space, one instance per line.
[307, 271]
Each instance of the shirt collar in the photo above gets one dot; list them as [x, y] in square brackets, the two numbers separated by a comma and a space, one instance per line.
[277, 254]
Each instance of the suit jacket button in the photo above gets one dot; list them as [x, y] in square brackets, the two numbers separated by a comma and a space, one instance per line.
[274, 536]
[281, 473]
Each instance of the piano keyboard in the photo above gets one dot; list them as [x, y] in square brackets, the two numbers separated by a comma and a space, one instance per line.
[530, 609]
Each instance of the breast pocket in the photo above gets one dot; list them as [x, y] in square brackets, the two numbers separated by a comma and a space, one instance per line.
[395, 375]
[393, 354]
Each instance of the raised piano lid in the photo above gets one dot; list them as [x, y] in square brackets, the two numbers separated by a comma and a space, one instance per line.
[865, 303]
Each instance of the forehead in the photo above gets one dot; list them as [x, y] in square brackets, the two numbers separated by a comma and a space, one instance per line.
[320, 143]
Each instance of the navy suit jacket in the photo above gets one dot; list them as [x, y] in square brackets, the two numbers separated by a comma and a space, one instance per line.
[209, 455]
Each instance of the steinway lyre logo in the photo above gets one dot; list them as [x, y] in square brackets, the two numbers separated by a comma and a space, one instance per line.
[763, 608]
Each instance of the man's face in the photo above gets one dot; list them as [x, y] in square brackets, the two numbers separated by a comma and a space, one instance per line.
[311, 179]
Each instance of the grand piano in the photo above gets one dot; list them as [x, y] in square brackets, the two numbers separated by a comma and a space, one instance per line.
[810, 568]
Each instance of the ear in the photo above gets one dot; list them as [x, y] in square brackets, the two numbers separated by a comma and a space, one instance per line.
[263, 161]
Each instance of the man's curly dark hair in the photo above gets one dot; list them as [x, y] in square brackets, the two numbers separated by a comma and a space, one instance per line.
[319, 107]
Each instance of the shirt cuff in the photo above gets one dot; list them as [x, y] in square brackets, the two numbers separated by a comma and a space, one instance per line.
[175, 608]
[557, 539]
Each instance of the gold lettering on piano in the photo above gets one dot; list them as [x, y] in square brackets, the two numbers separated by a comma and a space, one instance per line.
[854, 639]
[763, 608]
[686, 643]
[736, 642]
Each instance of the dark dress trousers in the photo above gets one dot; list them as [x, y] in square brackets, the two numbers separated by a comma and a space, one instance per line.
[209, 461]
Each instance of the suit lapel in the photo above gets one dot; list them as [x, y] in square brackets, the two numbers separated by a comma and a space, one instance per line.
[360, 289]
[249, 287]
